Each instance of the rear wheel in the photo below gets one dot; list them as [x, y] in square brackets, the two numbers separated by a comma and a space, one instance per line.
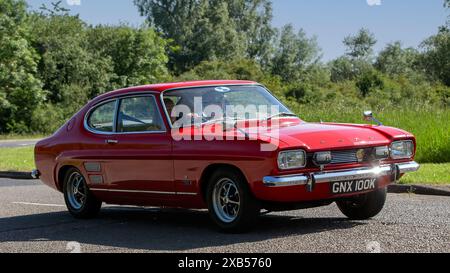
[230, 202]
[79, 200]
[364, 206]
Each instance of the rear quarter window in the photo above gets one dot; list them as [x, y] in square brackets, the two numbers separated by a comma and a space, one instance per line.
[101, 118]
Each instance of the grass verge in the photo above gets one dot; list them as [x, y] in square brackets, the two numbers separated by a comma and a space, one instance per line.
[429, 174]
[17, 159]
[20, 137]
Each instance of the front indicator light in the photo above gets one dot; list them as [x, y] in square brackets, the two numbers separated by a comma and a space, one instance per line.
[382, 152]
[322, 158]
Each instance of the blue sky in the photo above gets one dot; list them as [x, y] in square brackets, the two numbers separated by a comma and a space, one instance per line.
[409, 21]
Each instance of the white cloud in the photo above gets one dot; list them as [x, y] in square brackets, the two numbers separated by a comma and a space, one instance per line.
[374, 2]
[73, 2]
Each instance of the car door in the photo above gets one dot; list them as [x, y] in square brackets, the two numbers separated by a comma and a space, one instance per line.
[136, 158]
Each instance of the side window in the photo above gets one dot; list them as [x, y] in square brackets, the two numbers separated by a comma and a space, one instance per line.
[102, 118]
[170, 102]
[139, 114]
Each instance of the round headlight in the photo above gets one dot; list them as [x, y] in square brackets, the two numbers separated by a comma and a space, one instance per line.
[288, 160]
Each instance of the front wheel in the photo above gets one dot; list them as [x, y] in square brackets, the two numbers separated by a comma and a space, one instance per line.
[79, 200]
[364, 206]
[230, 202]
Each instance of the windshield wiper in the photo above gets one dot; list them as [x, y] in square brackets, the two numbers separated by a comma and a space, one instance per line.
[224, 121]
[282, 114]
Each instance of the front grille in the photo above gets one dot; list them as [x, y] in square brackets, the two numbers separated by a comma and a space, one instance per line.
[342, 157]
[347, 156]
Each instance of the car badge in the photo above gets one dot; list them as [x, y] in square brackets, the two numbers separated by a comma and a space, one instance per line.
[360, 154]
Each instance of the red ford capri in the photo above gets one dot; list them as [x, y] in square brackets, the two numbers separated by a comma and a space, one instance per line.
[227, 146]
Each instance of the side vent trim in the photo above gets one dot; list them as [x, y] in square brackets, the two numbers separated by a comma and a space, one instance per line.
[93, 167]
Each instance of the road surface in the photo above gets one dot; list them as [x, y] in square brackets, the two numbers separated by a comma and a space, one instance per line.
[17, 143]
[33, 219]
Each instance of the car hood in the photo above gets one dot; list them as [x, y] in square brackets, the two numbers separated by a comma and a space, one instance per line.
[320, 136]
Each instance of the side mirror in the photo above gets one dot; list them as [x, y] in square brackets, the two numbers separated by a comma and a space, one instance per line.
[368, 116]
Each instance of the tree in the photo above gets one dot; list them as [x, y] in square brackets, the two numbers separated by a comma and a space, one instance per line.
[215, 35]
[137, 56]
[435, 59]
[447, 6]
[240, 69]
[361, 45]
[61, 41]
[341, 69]
[294, 53]
[344, 68]
[358, 58]
[211, 29]
[254, 19]
[369, 81]
[395, 60]
[56, 9]
[20, 90]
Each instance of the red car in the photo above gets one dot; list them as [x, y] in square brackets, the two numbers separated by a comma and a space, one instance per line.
[145, 146]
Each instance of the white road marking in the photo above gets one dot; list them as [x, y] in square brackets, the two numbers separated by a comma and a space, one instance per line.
[37, 204]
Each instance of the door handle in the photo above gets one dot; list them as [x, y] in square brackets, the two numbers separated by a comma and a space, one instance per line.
[111, 141]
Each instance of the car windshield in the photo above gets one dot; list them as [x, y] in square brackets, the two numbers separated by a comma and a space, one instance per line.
[218, 103]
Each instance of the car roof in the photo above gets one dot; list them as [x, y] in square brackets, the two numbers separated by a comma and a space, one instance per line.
[161, 87]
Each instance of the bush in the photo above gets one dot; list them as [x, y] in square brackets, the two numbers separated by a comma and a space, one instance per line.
[238, 69]
[47, 119]
[369, 81]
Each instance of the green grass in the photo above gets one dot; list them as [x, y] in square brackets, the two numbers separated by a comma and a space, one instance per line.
[17, 159]
[432, 174]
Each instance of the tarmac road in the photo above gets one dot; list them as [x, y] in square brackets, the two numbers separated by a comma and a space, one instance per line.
[33, 218]
[17, 143]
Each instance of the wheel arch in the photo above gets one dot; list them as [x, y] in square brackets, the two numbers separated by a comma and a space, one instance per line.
[62, 171]
[209, 171]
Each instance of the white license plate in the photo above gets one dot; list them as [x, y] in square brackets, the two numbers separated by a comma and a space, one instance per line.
[360, 185]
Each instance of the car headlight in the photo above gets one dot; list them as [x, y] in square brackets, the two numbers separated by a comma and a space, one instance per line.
[294, 159]
[402, 149]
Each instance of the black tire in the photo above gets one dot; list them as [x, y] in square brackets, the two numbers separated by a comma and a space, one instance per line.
[89, 206]
[365, 206]
[249, 207]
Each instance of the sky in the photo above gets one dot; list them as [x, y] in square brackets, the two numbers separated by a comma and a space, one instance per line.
[408, 21]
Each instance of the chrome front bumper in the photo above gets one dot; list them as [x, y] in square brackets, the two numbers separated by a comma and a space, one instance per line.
[344, 175]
